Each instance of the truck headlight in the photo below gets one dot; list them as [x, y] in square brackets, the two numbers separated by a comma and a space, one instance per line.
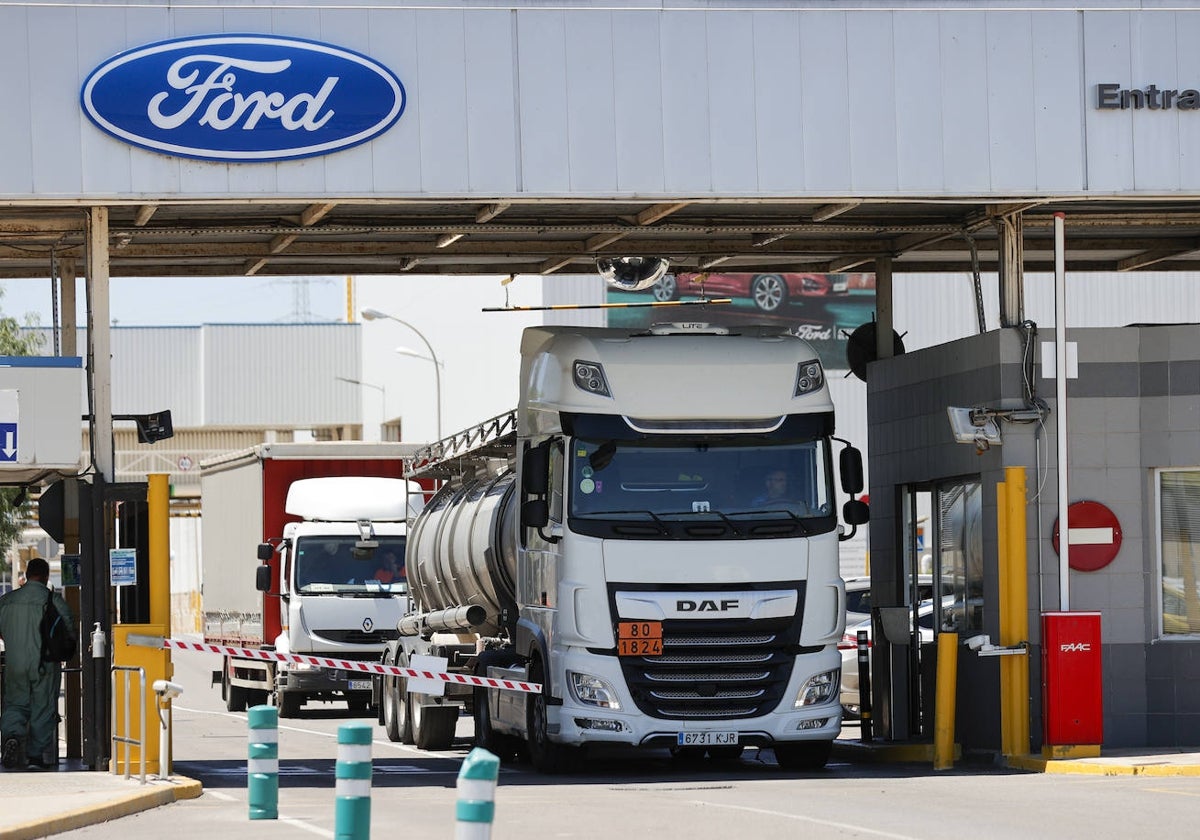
[593, 691]
[589, 376]
[809, 377]
[819, 689]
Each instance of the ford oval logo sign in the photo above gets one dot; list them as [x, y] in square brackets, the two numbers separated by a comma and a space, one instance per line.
[242, 98]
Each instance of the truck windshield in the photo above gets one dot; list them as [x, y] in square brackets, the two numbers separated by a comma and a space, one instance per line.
[334, 564]
[728, 482]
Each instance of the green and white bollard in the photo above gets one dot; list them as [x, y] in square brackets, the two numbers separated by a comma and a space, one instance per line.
[352, 809]
[262, 767]
[476, 795]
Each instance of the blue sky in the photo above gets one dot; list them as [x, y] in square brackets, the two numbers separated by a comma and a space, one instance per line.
[177, 301]
[478, 352]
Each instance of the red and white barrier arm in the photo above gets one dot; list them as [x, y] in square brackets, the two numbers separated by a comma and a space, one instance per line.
[346, 665]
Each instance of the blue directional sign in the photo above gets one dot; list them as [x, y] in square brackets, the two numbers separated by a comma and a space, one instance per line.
[8, 441]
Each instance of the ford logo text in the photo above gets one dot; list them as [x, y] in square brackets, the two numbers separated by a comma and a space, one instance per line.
[242, 98]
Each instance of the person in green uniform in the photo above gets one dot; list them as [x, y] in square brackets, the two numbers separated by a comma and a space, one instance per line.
[29, 722]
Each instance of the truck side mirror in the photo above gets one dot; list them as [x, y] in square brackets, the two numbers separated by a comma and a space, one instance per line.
[265, 550]
[856, 512]
[535, 470]
[262, 578]
[851, 465]
[535, 513]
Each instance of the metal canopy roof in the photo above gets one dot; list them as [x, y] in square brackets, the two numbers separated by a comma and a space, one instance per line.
[548, 236]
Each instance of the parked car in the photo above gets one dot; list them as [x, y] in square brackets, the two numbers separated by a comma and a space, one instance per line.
[768, 291]
[858, 596]
[851, 702]
[952, 611]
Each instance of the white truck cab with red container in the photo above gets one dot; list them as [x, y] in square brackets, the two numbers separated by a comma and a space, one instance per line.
[323, 517]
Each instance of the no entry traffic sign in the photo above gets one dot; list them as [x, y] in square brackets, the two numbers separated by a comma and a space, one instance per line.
[1094, 536]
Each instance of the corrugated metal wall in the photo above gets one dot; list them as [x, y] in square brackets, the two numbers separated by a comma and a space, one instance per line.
[266, 376]
[530, 100]
[259, 374]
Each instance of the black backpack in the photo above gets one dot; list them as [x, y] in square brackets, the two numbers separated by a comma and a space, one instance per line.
[58, 643]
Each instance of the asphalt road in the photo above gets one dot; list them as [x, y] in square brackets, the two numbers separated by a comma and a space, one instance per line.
[641, 795]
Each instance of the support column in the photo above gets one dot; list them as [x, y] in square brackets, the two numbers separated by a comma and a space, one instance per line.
[68, 275]
[97, 604]
[1012, 269]
[883, 308]
[99, 334]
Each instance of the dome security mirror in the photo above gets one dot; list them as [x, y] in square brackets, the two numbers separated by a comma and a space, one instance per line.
[631, 274]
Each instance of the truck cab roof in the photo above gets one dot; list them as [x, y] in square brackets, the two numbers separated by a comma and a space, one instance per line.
[353, 498]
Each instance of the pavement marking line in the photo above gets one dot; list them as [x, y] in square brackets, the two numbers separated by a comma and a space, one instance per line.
[292, 821]
[383, 742]
[800, 817]
[1175, 792]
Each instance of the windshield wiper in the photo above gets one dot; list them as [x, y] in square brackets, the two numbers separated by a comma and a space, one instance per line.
[796, 518]
[724, 518]
[663, 528]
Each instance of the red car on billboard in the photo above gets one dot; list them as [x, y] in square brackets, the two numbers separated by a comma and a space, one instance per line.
[768, 291]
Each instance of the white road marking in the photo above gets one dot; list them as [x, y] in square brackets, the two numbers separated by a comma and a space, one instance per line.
[292, 821]
[800, 817]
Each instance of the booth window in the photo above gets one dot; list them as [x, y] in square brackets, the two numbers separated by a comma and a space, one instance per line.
[1179, 550]
[960, 556]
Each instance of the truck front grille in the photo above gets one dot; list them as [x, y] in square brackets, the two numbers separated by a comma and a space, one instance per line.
[358, 637]
[716, 669]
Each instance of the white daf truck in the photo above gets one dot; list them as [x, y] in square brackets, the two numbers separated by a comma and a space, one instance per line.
[613, 540]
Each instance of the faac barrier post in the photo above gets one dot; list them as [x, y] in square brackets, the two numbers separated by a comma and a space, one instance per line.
[1072, 695]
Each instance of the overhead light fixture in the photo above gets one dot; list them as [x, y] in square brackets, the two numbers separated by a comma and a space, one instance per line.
[632, 274]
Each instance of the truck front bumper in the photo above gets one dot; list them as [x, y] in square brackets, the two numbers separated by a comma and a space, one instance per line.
[574, 722]
[316, 681]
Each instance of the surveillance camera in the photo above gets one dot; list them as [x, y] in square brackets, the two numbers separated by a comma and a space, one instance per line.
[167, 689]
[977, 642]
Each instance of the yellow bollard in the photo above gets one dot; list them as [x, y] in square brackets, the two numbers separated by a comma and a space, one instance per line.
[946, 697]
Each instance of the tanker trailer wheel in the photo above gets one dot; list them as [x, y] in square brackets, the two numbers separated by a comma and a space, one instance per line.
[547, 756]
[289, 703]
[433, 725]
[234, 695]
[396, 720]
[503, 746]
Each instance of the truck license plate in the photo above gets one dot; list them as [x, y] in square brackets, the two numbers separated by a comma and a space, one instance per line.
[358, 685]
[706, 739]
[639, 638]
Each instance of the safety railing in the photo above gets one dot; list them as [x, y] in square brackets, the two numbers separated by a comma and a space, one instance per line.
[139, 742]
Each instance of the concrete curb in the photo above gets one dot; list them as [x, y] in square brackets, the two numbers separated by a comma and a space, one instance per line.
[888, 752]
[162, 793]
[1099, 767]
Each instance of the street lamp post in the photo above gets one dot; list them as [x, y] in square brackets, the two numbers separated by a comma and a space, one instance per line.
[375, 314]
[379, 388]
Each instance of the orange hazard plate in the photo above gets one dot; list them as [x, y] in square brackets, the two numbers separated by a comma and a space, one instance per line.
[639, 638]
